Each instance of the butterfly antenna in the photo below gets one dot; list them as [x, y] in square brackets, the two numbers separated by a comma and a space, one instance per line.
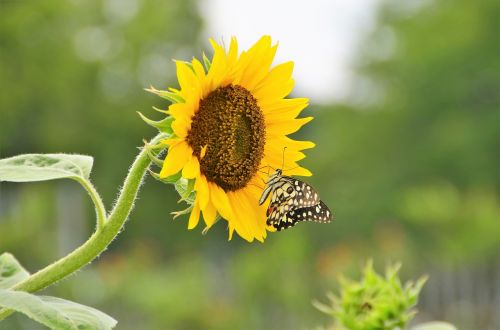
[269, 167]
[283, 160]
[253, 184]
[266, 166]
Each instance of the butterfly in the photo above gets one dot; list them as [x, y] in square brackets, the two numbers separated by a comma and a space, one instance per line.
[292, 201]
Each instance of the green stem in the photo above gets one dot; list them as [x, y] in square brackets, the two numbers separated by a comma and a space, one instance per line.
[100, 210]
[100, 239]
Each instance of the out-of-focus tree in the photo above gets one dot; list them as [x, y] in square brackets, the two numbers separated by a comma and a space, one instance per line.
[416, 158]
[72, 78]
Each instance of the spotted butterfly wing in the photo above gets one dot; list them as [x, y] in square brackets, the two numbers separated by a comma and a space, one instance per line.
[317, 213]
[292, 201]
[289, 194]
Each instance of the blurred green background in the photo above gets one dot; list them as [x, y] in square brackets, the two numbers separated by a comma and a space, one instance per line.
[410, 164]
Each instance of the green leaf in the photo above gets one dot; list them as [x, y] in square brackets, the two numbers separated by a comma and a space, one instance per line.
[42, 167]
[56, 313]
[11, 271]
[435, 325]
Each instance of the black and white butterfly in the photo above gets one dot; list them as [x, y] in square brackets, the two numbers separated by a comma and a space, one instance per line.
[292, 201]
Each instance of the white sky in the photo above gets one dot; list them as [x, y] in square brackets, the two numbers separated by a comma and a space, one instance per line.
[320, 36]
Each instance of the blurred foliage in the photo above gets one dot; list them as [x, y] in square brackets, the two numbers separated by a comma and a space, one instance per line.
[419, 152]
[410, 164]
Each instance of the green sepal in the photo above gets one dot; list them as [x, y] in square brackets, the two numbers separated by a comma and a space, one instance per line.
[374, 302]
[185, 189]
[189, 64]
[189, 190]
[161, 111]
[182, 212]
[206, 62]
[168, 180]
[158, 146]
[205, 230]
[164, 125]
[157, 161]
[167, 95]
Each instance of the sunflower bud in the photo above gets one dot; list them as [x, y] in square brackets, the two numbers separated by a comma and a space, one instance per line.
[374, 302]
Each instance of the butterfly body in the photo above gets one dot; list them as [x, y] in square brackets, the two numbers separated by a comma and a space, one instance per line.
[292, 201]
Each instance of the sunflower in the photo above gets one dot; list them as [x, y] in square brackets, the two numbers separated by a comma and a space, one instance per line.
[230, 122]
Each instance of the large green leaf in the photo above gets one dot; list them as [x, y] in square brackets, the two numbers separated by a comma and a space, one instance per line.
[41, 167]
[11, 271]
[56, 313]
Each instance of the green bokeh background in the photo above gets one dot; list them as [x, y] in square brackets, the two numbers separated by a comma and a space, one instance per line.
[410, 165]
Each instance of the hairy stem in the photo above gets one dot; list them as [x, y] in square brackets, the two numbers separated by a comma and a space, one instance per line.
[100, 239]
[100, 210]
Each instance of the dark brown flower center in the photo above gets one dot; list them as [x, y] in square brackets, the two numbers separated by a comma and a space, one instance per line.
[231, 125]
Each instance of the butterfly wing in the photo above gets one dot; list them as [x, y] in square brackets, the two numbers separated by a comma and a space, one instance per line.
[292, 201]
[293, 192]
[305, 195]
[317, 213]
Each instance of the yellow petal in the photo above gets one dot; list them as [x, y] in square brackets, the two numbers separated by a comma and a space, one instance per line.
[230, 229]
[275, 161]
[203, 151]
[202, 192]
[240, 217]
[218, 67]
[261, 56]
[180, 127]
[284, 109]
[232, 55]
[256, 213]
[256, 186]
[278, 150]
[177, 157]
[198, 68]
[192, 168]
[171, 141]
[298, 171]
[231, 64]
[194, 218]
[185, 76]
[220, 201]
[292, 144]
[209, 214]
[283, 146]
[286, 127]
[278, 81]
[272, 93]
[181, 110]
[278, 75]
[200, 73]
